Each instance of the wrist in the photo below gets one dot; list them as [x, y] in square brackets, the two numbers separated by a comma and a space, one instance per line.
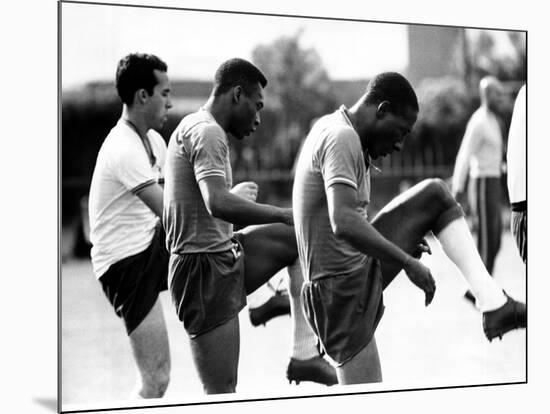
[286, 215]
[277, 214]
[408, 261]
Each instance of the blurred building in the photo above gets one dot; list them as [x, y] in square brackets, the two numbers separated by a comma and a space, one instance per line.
[434, 52]
[189, 95]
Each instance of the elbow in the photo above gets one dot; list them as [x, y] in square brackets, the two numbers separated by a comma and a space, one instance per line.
[341, 232]
[215, 207]
[341, 227]
[214, 210]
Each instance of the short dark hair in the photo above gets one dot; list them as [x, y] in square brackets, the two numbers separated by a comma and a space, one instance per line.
[235, 72]
[135, 71]
[392, 87]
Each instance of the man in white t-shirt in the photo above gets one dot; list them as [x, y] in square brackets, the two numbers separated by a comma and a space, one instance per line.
[125, 205]
[481, 157]
[516, 158]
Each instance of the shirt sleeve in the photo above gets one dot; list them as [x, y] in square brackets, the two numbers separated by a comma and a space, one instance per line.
[469, 145]
[133, 169]
[209, 153]
[517, 144]
[339, 155]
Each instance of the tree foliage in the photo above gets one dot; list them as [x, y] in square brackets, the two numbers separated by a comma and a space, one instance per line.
[446, 103]
[499, 53]
[445, 106]
[297, 79]
[298, 91]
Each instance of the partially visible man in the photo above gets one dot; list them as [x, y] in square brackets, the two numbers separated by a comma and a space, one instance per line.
[212, 268]
[347, 261]
[516, 158]
[125, 206]
[481, 155]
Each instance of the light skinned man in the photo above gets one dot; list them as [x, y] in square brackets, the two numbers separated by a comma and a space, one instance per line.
[125, 206]
[481, 158]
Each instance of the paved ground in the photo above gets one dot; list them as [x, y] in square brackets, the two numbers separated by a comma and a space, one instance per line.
[442, 345]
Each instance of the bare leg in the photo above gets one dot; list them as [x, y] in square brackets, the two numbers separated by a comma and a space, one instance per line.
[362, 368]
[216, 357]
[427, 206]
[151, 351]
[267, 249]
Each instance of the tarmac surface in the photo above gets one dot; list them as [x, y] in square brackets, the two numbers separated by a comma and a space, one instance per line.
[442, 345]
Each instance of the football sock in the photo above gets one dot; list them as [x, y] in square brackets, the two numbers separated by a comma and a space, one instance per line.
[304, 341]
[259, 296]
[458, 244]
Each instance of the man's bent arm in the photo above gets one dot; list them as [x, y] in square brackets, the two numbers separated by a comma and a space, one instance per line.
[469, 145]
[348, 224]
[152, 196]
[223, 204]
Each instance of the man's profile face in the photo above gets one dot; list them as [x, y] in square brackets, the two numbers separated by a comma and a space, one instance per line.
[247, 112]
[159, 102]
[389, 132]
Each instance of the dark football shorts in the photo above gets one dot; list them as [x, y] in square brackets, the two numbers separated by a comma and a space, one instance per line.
[207, 288]
[344, 310]
[519, 229]
[132, 285]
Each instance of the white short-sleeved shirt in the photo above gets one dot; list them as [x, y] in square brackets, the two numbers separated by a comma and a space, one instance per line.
[481, 150]
[198, 148]
[330, 154]
[516, 155]
[121, 225]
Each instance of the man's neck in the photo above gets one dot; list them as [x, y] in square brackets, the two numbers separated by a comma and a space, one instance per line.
[351, 114]
[135, 119]
[485, 107]
[216, 108]
[359, 115]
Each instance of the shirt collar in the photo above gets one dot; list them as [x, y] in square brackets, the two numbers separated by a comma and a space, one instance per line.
[368, 161]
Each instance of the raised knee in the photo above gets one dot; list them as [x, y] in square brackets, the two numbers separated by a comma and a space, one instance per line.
[438, 190]
[437, 185]
[445, 205]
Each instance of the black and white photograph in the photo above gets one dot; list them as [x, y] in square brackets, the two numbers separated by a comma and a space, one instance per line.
[260, 207]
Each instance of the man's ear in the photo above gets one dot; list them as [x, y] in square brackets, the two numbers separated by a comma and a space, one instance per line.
[237, 93]
[383, 109]
[141, 96]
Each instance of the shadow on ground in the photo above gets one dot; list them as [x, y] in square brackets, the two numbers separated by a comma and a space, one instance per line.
[49, 403]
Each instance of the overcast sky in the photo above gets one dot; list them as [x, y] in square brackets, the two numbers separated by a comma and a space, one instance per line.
[95, 37]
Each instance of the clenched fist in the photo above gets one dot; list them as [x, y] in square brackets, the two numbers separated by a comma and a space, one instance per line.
[246, 189]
